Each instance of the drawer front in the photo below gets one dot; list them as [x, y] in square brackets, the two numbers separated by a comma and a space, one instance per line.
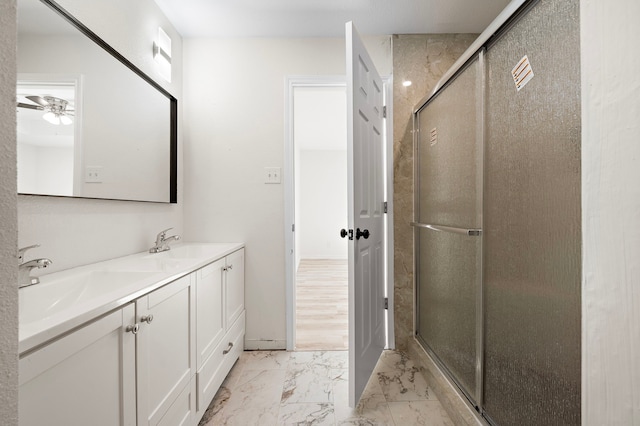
[217, 366]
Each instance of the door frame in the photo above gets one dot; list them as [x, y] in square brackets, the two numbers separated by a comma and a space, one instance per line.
[289, 198]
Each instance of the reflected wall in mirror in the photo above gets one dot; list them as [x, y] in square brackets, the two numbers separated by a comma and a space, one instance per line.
[90, 124]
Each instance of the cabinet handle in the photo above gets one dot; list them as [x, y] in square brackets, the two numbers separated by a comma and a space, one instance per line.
[146, 318]
[132, 328]
[226, 351]
[229, 267]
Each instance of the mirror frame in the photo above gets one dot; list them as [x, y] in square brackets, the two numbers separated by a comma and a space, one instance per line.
[173, 103]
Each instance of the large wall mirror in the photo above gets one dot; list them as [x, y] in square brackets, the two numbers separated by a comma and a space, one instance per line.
[90, 124]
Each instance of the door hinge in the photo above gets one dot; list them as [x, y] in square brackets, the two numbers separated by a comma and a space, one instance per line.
[293, 227]
[385, 207]
[384, 111]
[386, 303]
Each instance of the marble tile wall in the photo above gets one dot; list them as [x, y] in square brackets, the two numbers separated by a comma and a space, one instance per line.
[422, 59]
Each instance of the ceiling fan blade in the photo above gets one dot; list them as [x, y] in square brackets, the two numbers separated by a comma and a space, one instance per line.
[30, 106]
[37, 99]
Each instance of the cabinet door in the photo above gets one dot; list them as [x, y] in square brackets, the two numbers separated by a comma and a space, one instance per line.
[84, 378]
[165, 352]
[234, 288]
[209, 314]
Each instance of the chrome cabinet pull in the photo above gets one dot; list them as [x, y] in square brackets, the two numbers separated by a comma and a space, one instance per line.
[146, 318]
[132, 328]
[226, 351]
[230, 267]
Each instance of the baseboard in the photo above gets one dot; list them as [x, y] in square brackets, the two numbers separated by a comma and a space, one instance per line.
[456, 405]
[264, 345]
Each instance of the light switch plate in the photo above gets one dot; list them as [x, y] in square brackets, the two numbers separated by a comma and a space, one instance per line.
[93, 174]
[272, 175]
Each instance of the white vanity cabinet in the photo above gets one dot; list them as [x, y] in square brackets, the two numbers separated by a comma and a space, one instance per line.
[84, 378]
[157, 358]
[165, 356]
[220, 324]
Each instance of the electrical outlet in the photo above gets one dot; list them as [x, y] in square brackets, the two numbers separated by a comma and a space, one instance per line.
[93, 174]
[272, 175]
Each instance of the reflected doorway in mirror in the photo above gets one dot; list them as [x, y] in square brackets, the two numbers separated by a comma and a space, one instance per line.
[49, 133]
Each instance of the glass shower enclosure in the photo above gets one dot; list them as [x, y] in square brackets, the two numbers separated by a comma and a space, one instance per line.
[497, 222]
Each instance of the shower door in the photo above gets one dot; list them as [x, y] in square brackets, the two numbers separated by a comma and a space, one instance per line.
[448, 227]
[532, 222]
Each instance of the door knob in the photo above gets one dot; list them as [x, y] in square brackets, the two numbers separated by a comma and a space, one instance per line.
[344, 233]
[364, 234]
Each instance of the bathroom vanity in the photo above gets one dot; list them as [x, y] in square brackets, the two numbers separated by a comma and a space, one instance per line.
[145, 339]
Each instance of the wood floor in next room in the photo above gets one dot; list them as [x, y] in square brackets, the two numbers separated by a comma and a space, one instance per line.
[322, 312]
[269, 388]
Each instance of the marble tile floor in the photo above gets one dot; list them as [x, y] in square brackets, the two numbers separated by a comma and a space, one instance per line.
[310, 388]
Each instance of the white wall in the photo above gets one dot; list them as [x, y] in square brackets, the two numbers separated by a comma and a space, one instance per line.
[8, 219]
[320, 145]
[75, 232]
[45, 169]
[323, 204]
[234, 127]
[611, 212]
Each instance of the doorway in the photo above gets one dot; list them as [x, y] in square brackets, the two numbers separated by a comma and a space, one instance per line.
[315, 177]
[320, 181]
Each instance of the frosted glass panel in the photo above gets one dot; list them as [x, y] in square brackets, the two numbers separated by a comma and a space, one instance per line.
[532, 222]
[448, 269]
[449, 191]
[448, 154]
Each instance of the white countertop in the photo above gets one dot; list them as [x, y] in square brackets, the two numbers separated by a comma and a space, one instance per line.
[67, 299]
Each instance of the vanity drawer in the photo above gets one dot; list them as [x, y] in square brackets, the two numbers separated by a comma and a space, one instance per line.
[217, 366]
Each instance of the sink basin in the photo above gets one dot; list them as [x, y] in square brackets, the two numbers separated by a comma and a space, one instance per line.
[48, 298]
[149, 264]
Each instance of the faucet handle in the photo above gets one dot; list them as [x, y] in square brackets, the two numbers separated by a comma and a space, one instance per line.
[162, 234]
[24, 249]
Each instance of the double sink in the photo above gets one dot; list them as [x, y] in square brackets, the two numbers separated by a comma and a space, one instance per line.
[67, 299]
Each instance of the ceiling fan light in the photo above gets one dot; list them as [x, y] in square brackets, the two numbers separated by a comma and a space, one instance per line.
[51, 118]
[64, 119]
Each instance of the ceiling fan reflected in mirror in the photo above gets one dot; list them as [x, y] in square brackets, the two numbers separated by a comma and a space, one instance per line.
[56, 111]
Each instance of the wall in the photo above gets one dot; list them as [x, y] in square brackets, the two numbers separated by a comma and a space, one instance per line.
[8, 218]
[323, 204]
[421, 59]
[234, 127]
[75, 232]
[45, 169]
[610, 213]
[320, 144]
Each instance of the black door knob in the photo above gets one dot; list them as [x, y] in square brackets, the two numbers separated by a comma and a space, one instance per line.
[364, 234]
[344, 233]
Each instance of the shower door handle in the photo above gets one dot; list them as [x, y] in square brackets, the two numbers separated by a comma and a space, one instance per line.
[473, 232]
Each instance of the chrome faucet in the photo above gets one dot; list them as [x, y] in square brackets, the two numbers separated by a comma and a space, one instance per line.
[162, 241]
[24, 268]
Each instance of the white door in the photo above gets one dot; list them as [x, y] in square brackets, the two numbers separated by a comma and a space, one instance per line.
[366, 214]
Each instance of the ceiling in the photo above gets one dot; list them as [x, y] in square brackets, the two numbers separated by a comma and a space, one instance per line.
[326, 18]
